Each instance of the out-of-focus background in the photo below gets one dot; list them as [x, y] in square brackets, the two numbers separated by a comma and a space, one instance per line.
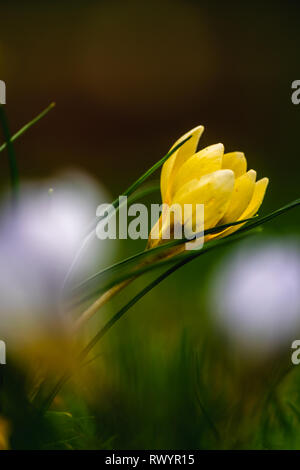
[128, 79]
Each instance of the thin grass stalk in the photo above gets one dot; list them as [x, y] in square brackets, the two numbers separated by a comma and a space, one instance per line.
[140, 269]
[116, 206]
[62, 381]
[28, 126]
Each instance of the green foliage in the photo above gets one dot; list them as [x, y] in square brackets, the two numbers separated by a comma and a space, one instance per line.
[163, 377]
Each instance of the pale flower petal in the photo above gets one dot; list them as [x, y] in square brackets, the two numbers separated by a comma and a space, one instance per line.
[172, 165]
[255, 203]
[213, 190]
[201, 163]
[235, 161]
[241, 197]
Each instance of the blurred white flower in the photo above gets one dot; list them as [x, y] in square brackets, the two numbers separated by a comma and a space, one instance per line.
[38, 241]
[255, 295]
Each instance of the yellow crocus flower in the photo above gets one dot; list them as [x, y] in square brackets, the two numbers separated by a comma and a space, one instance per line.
[220, 181]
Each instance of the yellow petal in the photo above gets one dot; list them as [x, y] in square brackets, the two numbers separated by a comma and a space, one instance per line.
[257, 198]
[213, 190]
[202, 163]
[255, 203]
[178, 158]
[241, 197]
[235, 161]
[164, 224]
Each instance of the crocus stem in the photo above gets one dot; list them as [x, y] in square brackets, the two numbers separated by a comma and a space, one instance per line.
[107, 295]
[47, 402]
[102, 300]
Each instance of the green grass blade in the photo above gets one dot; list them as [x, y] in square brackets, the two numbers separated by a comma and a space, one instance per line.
[151, 170]
[121, 313]
[28, 126]
[154, 251]
[159, 264]
[272, 215]
[179, 263]
[256, 221]
[149, 253]
[145, 191]
[137, 184]
[116, 206]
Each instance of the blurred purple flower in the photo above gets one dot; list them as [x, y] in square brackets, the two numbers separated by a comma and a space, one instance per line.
[38, 240]
[255, 295]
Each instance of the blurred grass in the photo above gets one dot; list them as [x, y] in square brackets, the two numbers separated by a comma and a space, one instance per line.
[164, 378]
[177, 388]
